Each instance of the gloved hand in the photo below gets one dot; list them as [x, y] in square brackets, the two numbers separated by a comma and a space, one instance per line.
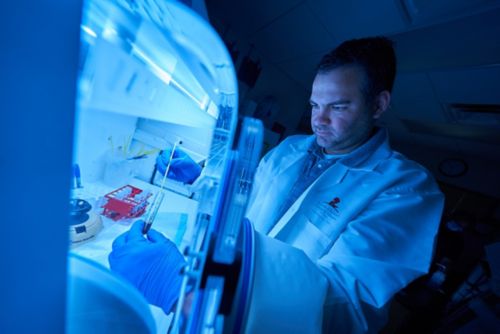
[182, 168]
[152, 264]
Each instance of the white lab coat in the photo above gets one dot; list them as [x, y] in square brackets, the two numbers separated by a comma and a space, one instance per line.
[367, 225]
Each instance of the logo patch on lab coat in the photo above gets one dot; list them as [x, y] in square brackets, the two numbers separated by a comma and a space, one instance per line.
[325, 213]
[334, 203]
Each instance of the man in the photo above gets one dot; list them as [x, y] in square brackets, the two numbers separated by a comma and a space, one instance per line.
[343, 222]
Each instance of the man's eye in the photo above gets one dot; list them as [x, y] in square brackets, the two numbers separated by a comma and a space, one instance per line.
[339, 107]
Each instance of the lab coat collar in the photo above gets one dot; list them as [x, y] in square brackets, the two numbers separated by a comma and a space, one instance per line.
[297, 150]
[368, 156]
[303, 145]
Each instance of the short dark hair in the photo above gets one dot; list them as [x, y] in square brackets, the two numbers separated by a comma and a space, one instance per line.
[374, 55]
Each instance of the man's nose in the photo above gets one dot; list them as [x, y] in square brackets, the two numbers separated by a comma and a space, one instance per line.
[322, 116]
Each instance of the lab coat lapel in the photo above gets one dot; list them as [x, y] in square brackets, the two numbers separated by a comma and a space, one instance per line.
[329, 178]
[276, 184]
[297, 153]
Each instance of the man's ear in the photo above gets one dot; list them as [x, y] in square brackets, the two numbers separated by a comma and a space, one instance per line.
[382, 102]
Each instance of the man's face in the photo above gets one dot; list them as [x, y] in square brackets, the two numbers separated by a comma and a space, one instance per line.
[341, 118]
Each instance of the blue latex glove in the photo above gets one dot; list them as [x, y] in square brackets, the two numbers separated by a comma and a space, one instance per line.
[182, 167]
[151, 264]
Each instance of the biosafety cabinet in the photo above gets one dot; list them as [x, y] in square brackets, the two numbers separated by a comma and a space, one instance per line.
[153, 75]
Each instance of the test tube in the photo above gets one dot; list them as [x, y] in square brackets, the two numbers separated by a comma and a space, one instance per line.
[159, 195]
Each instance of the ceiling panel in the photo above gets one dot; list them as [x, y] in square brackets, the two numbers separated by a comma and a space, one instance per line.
[357, 18]
[294, 35]
[421, 11]
[470, 41]
[248, 17]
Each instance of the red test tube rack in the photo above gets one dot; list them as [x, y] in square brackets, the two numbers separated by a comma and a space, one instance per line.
[125, 202]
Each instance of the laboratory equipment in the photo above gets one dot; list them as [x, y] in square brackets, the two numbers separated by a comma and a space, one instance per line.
[84, 223]
[153, 73]
[220, 255]
[125, 202]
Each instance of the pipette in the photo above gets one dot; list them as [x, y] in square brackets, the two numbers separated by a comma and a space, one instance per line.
[159, 195]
